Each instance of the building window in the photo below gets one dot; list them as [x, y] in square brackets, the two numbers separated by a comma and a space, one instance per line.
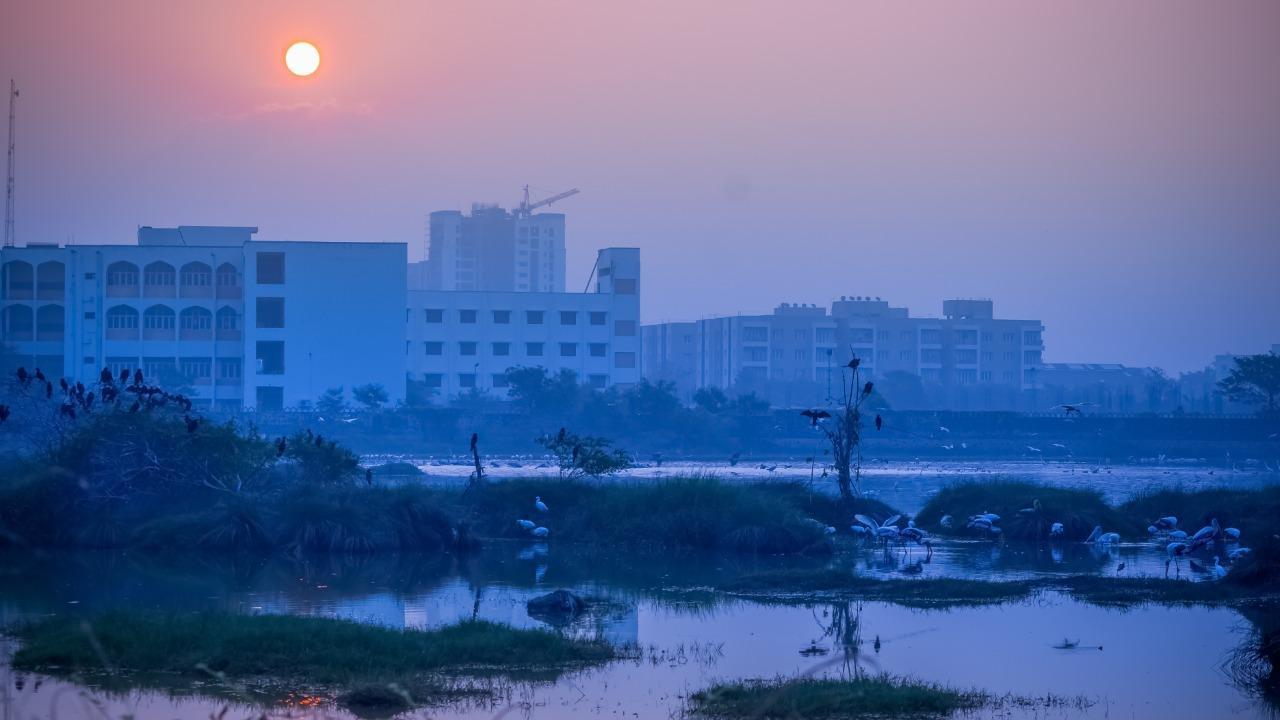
[433, 316]
[986, 337]
[1008, 337]
[158, 368]
[966, 357]
[801, 355]
[501, 317]
[499, 380]
[230, 369]
[986, 356]
[568, 317]
[598, 382]
[1031, 357]
[986, 376]
[568, 349]
[754, 353]
[466, 380]
[599, 349]
[966, 377]
[624, 286]
[467, 348]
[533, 317]
[270, 357]
[931, 337]
[270, 312]
[906, 355]
[966, 337]
[196, 369]
[882, 336]
[1007, 376]
[624, 328]
[624, 360]
[467, 317]
[270, 397]
[1009, 357]
[501, 349]
[802, 336]
[778, 354]
[755, 334]
[433, 380]
[122, 317]
[825, 335]
[598, 317]
[931, 356]
[270, 268]
[434, 348]
[1031, 337]
[865, 336]
[533, 349]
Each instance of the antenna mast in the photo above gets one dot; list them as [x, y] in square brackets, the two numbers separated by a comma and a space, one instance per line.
[9, 238]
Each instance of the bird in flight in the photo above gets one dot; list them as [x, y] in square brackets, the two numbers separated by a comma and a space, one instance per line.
[816, 415]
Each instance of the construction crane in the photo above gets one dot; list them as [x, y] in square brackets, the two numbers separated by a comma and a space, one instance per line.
[526, 208]
[9, 236]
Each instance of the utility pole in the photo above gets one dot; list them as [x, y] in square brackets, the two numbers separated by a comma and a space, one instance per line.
[9, 238]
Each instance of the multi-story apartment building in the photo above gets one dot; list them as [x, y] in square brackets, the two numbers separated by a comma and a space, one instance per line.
[793, 355]
[493, 250]
[244, 322]
[464, 341]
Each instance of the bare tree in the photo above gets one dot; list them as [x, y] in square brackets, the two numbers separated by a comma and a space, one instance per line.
[842, 427]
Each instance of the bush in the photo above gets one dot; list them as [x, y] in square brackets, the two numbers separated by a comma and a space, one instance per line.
[578, 455]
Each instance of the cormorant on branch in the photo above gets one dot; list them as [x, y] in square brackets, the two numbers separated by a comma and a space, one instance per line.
[106, 378]
[854, 363]
[879, 422]
[866, 389]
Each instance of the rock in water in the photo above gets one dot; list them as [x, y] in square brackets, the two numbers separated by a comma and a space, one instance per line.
[558, 606]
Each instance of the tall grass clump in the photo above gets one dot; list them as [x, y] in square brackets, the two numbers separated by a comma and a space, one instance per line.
[1027, 510]
[282, 649]
[811, 698]
[694, 513]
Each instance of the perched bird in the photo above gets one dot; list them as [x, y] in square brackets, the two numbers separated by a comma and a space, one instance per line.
[281, 445]
[63, 383]
[40, 376]
[733, 459]
[539, 505]
[69, 410]
[879, 422]
[23, 378]
[4, 413]
[106, 378]
[1120, 568]
[124, 375]
[368, 477]
[475, 438]
[815, 415]
[854, 363]
[48, 389]
[526, 524]
[866, 389]
[137, 376]
[541, 532]
[192, 423]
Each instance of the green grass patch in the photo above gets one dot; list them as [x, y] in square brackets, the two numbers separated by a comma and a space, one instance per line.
[330, 653]
[806, 698]
[1079, 510]
[696, 513]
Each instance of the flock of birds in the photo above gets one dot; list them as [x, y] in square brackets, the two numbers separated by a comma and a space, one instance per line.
[539, 532]
[75, 399]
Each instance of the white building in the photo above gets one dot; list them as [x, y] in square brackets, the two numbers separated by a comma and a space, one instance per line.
[246, 323]
[462, 341]
[493, 249]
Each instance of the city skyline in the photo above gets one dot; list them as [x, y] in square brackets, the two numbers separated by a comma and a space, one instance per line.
[1111, 171]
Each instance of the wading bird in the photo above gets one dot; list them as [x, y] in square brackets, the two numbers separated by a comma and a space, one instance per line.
[539, 505]
[1057, 530]
[526, 524]
[1175, 550]
[541, 532]
[1218, 571]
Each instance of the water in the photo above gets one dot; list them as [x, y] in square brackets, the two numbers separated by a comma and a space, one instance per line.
[1154, 661]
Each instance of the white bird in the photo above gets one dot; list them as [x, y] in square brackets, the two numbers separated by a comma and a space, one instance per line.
[1169, 522]
[1034, 449]
[860, 530]
[829, 530]
[541, 532]
[537, 503]
[945, 521]
[1175, 550]
[887, 531]
[1235, 554]
[1057, 530]
[526, 524]
[1108, 538]
[1218, 571]
[944, 429]
[948, 446]
[1231, 534]
[1060, 446]
[1178, 535]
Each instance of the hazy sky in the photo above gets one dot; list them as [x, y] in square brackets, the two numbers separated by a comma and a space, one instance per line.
[1112, 168]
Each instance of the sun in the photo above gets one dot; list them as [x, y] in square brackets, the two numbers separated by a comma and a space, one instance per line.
[302, 58]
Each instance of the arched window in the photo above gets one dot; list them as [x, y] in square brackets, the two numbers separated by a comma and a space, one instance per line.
[228, 281]
[228, 323]
[159, 280]
[122, 279]
[122, 323]
[51, 281]
[195, 323]
[18, 322]
[158, 323]
[50, 322]
[19, 280]
[196, 280]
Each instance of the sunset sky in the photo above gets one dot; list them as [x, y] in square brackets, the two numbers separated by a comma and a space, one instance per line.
[1112, 168]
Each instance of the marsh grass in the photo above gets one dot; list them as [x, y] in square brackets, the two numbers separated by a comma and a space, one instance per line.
[1078, 509]
[172, 650]
[694, 513]
[810, 698]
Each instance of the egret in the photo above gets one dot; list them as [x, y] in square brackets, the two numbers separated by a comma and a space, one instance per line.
[829, 530]
[1166, 523]
[946, 521]
[1108, 538]
[537, 503]
[1236, 554]
[1231, 534]
[526, 524]
[1178, 535]
[1218, 571]
[541, 532]
[1057, 530]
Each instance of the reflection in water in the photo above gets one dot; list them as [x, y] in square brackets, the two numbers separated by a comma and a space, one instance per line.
[1158, 661]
